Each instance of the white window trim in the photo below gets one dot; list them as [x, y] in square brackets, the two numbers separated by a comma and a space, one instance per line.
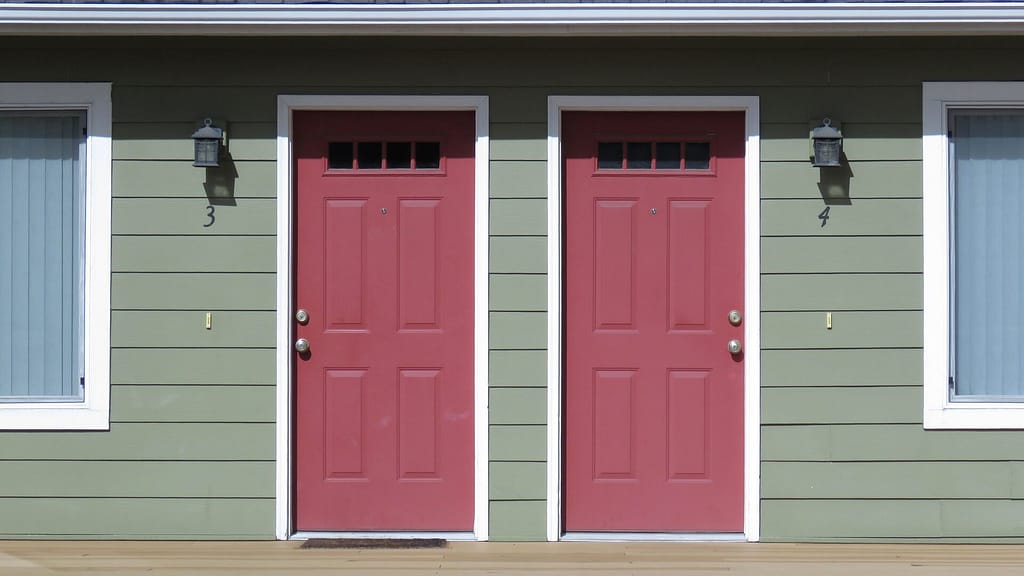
[94, 412]
[938, 99]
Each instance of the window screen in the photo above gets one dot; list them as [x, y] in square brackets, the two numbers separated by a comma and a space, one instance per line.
[41, 256]
[987, 256]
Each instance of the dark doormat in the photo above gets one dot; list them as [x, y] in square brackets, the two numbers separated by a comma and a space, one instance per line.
[375, 543]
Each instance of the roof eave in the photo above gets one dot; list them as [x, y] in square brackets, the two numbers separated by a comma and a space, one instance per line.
[604, 19]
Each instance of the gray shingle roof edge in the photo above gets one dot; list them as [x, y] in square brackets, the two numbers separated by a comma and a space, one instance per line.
[492, 2]
[499, 18]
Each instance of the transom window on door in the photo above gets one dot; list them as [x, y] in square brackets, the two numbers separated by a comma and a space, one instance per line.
[675, 156]
[54, 256]
[355, 156]
[974, 255]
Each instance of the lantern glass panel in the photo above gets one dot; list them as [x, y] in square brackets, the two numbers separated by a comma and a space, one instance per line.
[827, 151]
[206, 152]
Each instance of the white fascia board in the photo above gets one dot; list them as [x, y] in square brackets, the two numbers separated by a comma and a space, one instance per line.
[653, 19]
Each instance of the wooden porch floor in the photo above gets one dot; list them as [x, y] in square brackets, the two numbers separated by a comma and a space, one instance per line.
[534, 559]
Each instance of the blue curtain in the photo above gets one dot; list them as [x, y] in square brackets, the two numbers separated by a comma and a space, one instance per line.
[42, 218]
[988, 256]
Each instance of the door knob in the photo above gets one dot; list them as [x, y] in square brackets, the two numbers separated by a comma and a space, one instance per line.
[302, 345]
[735, 347]
[735, 317]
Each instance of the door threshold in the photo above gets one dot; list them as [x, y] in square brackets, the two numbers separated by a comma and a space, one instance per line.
[653, 537]
[450, 536]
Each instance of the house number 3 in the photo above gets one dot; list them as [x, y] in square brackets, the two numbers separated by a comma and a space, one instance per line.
[209, 214]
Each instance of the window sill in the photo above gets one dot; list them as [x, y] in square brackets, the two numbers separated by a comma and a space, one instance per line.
[53, 417]
[975, 416]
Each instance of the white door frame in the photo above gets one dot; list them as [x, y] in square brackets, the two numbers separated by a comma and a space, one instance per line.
[286, 104]
[752, 293]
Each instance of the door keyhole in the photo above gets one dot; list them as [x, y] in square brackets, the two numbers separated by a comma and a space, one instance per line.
[654, 211]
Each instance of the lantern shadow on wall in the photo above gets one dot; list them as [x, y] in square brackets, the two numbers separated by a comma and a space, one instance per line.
[211, 153]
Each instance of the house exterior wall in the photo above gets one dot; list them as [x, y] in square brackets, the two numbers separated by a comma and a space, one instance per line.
[191, 448]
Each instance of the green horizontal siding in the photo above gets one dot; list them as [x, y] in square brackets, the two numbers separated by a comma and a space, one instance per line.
[193, 366]
[147, 441]
[797, 443]
[989, 518]
[518, 217]
[514, 520]
[841, 292]
[851, 395]
[197, 291]
[194, 254]
[179, 179]
[518, 255]
[517, 322]
[518, 179]
[519, 141]
[841, 255]
[187, 329]
[518, 443]
[518, 406]
[867, 179]
[861, 141]
[204, 403]
[414, 62]
[518, 330]
[517, 480]
[518, 292]
[824, 520]
[892, 480]
[887, 519]
[136, 479]
[171, 140]
[854, 329]
[513, 368]
[869, 217]
[886, 442]
[192, 216]
[847, 104]
[184, 518]
[829, 395]
[853, 405]
[182, 105]
[846, 367]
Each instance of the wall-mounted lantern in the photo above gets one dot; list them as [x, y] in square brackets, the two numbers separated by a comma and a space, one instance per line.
[208, 141]
[827, 145]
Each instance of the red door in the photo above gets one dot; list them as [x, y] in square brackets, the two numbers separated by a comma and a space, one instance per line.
[653, 266]
[384, 268]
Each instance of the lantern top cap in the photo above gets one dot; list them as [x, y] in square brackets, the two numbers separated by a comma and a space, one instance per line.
[208, 131]
[826, 130]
